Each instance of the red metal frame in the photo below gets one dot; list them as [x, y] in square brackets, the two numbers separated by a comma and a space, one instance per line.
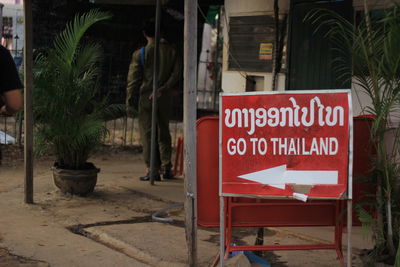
[272, 212]
[230, 204]
[178, 164]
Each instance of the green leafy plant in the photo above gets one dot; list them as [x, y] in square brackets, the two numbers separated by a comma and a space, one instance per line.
[373, 45]
[68, 115]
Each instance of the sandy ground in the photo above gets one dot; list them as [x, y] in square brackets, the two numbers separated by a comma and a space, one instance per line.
[113, 226]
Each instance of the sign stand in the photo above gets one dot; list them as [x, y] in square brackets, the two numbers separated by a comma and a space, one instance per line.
[222, 230]
[349, 226]
[228, 204]
[287, 145]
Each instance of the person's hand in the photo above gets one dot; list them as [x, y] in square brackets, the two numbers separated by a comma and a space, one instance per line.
[4, 112]
[158, 94]
[13, 102]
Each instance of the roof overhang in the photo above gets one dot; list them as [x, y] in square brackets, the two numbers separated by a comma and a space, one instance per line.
[126, 2]
[152, 2]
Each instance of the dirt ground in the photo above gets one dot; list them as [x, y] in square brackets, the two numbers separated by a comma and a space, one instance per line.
[9, 260]
[64, 230]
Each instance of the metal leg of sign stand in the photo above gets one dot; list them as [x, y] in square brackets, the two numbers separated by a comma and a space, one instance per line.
[228, 238]
[349, 226]
[221, 230]
[339, 231]
[226, 225]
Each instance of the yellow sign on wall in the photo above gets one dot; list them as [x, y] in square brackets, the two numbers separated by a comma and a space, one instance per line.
[265, 51]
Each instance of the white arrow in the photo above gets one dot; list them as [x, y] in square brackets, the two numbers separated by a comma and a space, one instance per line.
[279, 176]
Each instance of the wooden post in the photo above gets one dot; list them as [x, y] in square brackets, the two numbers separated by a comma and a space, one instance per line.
[28, 76]
[125, 129]
[275, 48]
[222, 224]
[133, 128]
[189, 122]
[154, 143]
[1, 20]
[349, 226]
[217, 66]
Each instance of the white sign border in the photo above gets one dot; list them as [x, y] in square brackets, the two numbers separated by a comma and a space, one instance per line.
[348, 194]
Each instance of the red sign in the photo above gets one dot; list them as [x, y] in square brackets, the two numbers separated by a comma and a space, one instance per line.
[285, 144]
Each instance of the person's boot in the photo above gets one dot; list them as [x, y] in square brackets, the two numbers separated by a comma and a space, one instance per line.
[167, 174]
[147, 177]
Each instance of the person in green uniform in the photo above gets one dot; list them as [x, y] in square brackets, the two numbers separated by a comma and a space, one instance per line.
[140, 81]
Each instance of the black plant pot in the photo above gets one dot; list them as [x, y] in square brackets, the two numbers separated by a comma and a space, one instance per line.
[76, 182]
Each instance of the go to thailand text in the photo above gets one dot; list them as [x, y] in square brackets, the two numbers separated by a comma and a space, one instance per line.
[283, 146]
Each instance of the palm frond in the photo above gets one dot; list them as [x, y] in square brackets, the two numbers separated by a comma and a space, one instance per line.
[375, 55]
[66, 84]
[367, 221]
[66, 43]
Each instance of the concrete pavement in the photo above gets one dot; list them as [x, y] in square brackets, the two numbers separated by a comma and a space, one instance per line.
[112, 227]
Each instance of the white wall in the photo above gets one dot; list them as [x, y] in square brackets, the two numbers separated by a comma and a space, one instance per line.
[360, 100]
[254, 7]
[234, 81]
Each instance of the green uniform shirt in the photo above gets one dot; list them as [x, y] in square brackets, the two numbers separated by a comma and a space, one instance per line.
[140, 78]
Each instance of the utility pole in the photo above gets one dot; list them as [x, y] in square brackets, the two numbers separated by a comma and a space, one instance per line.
[189, 122]
[1, 21]
[153, 143]
[28, 76]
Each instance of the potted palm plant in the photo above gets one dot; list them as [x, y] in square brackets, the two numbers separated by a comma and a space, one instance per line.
[68, 113]
[375, 52]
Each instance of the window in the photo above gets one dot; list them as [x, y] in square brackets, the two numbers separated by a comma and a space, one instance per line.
[251, 40]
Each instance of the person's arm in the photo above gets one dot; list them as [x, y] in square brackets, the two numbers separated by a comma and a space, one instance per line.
[13, 102]
[10, 84]
[134, 79]
[173, 79]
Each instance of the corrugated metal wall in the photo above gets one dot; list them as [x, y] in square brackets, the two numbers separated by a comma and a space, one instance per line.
[310, 53]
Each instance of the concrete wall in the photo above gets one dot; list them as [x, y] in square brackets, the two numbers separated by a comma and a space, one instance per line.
[360, 100]
[235, 81]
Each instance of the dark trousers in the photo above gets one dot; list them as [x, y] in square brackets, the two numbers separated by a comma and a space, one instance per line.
[163, 140]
